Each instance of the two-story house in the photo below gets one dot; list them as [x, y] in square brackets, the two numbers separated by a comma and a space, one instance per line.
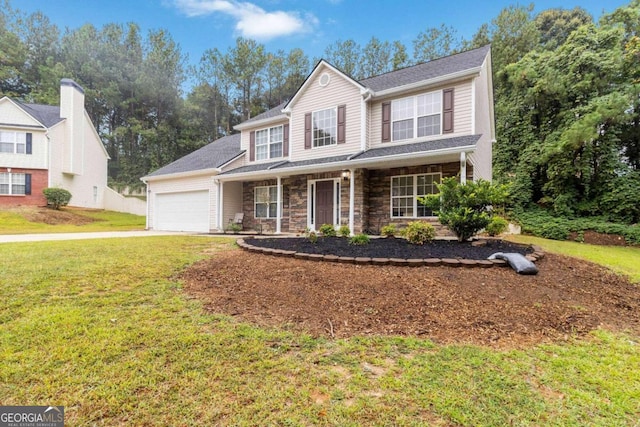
[340, 151]
[49, 146]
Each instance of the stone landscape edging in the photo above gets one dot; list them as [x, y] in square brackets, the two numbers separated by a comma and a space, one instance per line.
[410, 262]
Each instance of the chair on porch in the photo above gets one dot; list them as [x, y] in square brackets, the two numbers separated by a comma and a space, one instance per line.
[236, 222]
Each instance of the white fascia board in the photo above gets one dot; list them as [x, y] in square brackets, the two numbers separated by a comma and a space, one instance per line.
[470, 72]
[345, 164]
[189, 174]
[260, 123]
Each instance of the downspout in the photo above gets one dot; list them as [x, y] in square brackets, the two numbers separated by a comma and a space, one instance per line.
[363, 119]
[278, 206]
[148, 202]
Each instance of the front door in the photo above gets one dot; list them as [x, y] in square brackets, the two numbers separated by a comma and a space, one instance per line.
[324, 203]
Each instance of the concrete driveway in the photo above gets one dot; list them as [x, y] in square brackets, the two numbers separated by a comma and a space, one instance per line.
[12, 238]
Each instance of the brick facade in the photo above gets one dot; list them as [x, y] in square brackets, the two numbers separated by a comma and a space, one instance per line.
[39, 181]
[372, 198]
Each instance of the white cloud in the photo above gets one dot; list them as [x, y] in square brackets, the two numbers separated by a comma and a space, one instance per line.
[251, 21]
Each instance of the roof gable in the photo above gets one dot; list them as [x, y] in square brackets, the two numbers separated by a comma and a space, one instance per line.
[48, 115]
[317, 70]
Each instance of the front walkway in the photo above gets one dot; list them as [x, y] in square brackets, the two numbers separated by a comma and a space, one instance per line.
[13, 238]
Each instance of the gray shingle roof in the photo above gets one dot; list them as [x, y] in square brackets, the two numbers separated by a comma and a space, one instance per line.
[210, 156]
[419, 147]
[428, 70]
[274, 112]
[48, 115]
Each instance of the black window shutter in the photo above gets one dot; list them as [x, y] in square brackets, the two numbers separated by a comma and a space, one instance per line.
[27, 184]
[342, 118]
[285, 140]
[252, 146]
[307, 131]
[386, 121]
[29, 143]
[447, 111]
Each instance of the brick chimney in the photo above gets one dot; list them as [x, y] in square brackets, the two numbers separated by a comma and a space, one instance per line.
[72, 109]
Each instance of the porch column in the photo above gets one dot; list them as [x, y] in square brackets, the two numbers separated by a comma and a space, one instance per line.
[463, 168]
[220, 207]
[279, 205]
[352, 193]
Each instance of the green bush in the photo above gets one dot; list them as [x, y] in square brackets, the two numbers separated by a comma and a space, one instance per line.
[465, 208]
[359, 239]
[498, 225]
[56, 197]
[312, 237]
[419, 232]
[327, 230]
[344, 231]
[388, 230]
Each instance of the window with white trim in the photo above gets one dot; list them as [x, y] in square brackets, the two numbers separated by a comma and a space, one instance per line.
[325, 127]
[13, 183]
[406, 189]
[13, 142]
[266, 201]
[269, 143]
[416, 116]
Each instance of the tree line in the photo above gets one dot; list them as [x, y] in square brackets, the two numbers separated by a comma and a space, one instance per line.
[566, 89]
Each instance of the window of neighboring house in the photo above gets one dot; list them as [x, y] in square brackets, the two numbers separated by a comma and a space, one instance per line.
[416, 116]
[405, 191]
[13, 183]
[325, 124]
[13, 142]
[266, 201]
[269, 143]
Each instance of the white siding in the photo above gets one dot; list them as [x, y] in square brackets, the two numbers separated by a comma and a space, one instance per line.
[232, 195]
[339, 91]
[10, 113]
[462, 115]
[11, 119]
[482, 158]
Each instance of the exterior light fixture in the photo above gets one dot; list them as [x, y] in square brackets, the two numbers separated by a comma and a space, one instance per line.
[346, 175]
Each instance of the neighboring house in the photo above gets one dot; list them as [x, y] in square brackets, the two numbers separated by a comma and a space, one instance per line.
[340, 151]
[48, 146]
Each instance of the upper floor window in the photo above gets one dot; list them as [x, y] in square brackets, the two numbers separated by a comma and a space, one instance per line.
[416, 116]
[15, 183]
[325, 127]
[13, 142]
[269, 143]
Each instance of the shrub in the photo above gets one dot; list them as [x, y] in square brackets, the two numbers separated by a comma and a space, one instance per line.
[498, 225]
[419, 232]
[312, 237]
[327, 230]
[344, 231]
[388, 230]
[359, 239]
[234, 228]
[465, 208]
[56, 197]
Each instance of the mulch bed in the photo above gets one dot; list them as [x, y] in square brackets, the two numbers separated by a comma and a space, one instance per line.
[492, 307]
[391, 247]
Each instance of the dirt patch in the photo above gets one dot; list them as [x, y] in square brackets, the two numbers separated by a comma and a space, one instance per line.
[493, 307]
[594, 238]
[52, 216]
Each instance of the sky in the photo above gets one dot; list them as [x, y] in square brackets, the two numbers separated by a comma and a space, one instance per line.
[198, 25]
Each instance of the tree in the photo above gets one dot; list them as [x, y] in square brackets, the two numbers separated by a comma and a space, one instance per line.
[13, 54]
[345, 55]
[555, 25]
[376, 58]
[435, 43]
[400, 59]
[465, 208]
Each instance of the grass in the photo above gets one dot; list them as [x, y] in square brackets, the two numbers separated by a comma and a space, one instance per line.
[14, 221]
[621, 259]
[104, 328]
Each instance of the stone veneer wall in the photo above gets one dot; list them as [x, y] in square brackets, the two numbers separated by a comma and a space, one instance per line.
[379, 199]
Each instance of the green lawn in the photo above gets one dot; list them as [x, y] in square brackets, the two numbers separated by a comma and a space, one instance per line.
[621, 259]
[104, 328]
[14, 221]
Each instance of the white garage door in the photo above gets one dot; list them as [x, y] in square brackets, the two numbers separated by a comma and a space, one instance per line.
[187, 211]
